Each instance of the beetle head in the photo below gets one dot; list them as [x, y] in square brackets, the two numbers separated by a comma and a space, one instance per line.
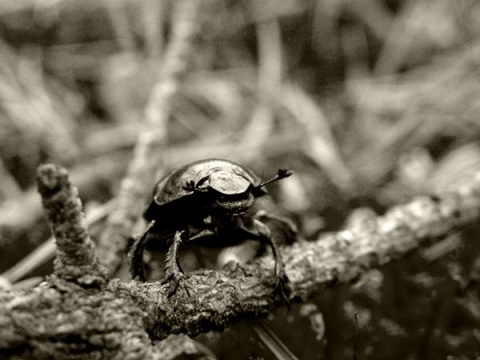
[230, 192]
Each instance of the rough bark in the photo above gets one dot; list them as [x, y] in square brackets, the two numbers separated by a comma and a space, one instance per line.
[67, 318]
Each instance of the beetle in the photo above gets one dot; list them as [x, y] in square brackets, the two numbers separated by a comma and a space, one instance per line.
[209, 201]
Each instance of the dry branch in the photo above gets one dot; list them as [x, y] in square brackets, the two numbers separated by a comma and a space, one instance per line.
[60, 317]
[76, 259]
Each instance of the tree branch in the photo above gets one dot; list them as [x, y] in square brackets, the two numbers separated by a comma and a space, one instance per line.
[222, 297]
[62, 316]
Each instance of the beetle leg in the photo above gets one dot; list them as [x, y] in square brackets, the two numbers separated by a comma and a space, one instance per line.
[263, 215]
[281, 279]
[264, 232]
[173, 270]
[136, 254]
[201, 234]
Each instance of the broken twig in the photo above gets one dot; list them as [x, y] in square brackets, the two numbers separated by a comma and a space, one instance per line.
[76, 259]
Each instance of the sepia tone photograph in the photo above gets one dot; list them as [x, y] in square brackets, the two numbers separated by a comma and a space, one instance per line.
[240, 179]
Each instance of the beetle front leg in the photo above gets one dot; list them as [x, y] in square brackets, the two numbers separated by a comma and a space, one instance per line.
[281, 279]
[173, 270]
[288, 227]
[136, 254]
[263, 214]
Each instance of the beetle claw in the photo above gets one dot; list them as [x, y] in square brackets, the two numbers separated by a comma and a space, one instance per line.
[174, 280]
[282, 285]
[136, 254]
[173, 270]
[282, 282]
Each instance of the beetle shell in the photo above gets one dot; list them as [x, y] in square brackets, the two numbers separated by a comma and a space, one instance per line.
[224, 176]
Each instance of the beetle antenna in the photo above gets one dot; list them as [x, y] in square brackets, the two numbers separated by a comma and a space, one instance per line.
[189, 186]
[282, 173]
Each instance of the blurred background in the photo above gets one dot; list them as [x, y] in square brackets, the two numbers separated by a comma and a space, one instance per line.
[370, 102]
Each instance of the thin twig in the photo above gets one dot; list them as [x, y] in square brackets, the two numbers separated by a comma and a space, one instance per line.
[147, 157]
[118, 12]
[320, 143]
[21, 214]
[153, 19]
[9, 188]
[46, 250]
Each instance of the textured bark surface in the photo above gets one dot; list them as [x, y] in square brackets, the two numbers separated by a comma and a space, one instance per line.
[65, 318]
